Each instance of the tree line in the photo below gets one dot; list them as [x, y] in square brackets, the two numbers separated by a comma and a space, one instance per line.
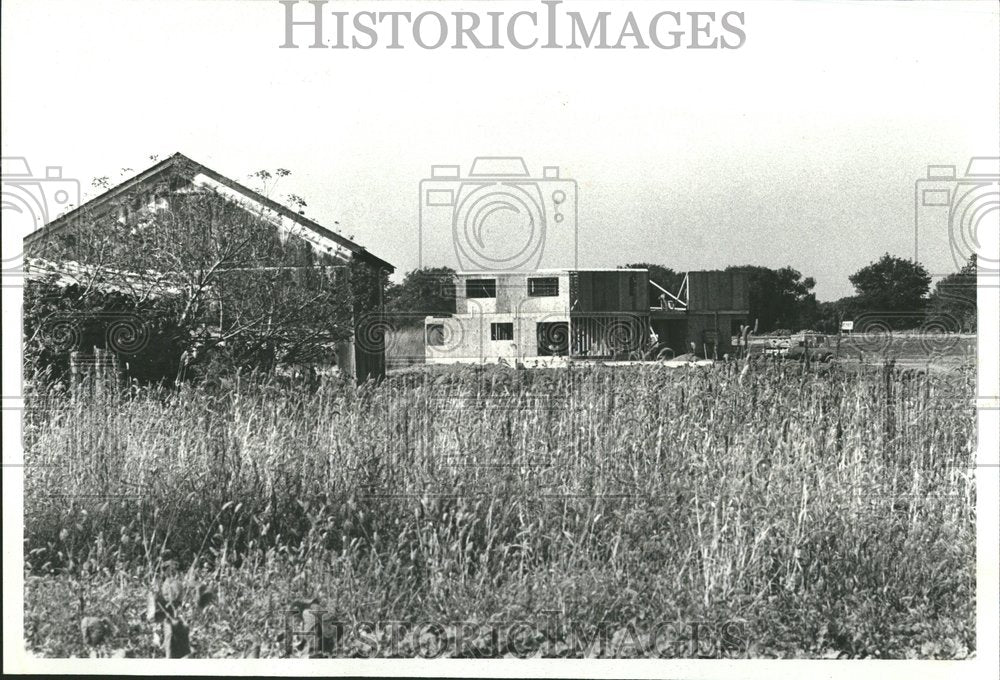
[891, 291]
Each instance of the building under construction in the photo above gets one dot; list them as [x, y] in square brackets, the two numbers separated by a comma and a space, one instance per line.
[607, 314]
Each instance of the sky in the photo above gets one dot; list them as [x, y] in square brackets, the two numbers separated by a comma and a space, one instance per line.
[800, 148]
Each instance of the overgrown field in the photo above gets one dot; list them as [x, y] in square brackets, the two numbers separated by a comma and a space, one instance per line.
[730, 511]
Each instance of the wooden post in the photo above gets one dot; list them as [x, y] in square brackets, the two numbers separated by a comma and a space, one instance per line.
[98, 369]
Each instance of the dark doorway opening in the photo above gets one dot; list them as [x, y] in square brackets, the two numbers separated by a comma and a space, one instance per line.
[553, 339]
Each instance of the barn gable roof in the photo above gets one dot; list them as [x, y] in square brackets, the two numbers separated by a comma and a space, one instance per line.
[179, 164]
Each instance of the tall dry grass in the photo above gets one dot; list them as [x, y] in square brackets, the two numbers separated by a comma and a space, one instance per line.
[824, 508]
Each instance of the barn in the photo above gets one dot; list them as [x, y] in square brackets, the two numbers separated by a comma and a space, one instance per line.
[153, 191]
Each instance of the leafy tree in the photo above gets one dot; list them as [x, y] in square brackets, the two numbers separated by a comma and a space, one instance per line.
[953, 302]
[779, 298]
[892, 286]
[430, 290]
[829, 315]
[662, 276]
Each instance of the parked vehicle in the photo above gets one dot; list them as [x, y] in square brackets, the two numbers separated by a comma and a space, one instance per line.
[797, 346]
[815, 345]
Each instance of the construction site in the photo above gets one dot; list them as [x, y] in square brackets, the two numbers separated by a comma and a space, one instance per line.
[550, 317]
